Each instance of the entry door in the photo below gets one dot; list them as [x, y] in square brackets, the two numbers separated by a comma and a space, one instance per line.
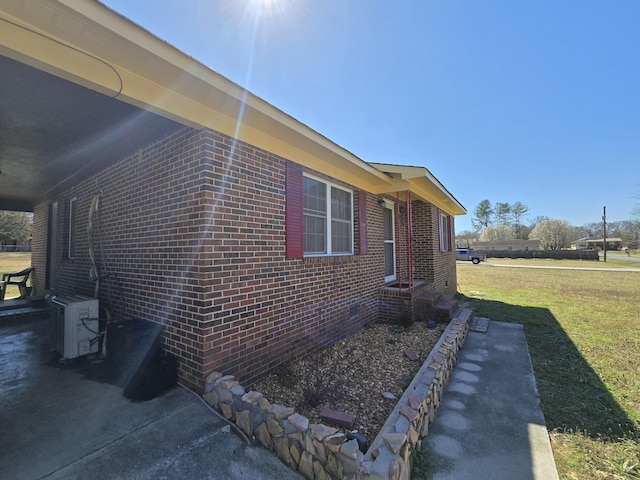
[389, 244]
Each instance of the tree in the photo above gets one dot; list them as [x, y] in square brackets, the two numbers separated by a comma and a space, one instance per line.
[615, 228]
[590, 230]
[553, 234]
[497, 232]
[482, 215]
[524, 232]
[537, 220]
[15, 227]
[518, 211]
[635, 226]
[635, 216]
[502, 213]
[465, 237]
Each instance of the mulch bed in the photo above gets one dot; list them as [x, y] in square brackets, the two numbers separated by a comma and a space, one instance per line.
[351, 376]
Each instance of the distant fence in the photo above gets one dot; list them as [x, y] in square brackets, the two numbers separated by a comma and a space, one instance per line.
[15, 248]
[555, 254]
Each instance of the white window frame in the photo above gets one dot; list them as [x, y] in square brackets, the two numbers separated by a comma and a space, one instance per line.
[71, 247]
[389, 205]
[328, 219]
[445, 232]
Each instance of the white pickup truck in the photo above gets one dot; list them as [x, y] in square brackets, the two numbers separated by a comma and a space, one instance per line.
[468, 254]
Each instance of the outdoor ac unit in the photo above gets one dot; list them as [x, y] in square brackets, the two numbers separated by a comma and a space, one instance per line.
[75, 325]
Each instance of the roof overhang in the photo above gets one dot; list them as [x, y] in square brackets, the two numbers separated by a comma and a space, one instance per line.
[421, 183]
[115, 65]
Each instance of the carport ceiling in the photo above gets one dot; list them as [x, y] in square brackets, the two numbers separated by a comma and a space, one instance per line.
[54, 133]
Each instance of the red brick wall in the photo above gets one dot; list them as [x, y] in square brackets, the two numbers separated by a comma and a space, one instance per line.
[191, 234]
[432, 264]
[438, 268]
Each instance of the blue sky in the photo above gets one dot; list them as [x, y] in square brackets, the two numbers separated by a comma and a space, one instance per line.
[531, 101]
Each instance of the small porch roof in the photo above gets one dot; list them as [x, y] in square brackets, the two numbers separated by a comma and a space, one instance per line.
[421, 182]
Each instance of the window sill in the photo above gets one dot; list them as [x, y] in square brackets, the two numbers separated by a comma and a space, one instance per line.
[328, 259]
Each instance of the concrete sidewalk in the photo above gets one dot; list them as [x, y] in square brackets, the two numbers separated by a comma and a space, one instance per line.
[58, 423]
[489, 424]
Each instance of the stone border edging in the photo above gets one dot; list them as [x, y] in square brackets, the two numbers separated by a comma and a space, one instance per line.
[320, 452]
[389, 456]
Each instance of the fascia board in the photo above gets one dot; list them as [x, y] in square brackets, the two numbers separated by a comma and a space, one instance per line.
[444, 202]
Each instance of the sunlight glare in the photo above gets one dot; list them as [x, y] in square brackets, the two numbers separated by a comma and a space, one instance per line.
[269, 8]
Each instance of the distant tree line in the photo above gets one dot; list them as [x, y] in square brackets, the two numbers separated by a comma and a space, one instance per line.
[502, 213]
[505, 221]
[15, 228]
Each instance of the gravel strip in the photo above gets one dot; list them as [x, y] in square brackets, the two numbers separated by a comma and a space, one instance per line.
[351, 376]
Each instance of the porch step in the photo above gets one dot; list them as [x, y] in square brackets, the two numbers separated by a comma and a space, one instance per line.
[479, 324]
[28, 313]
[444, 310]
[12, 304]
[23, 309]
[428, 299]
[465, 314]
[36, 301]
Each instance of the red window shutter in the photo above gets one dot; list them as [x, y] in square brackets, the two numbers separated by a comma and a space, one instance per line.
[294, 213]
[362, 221]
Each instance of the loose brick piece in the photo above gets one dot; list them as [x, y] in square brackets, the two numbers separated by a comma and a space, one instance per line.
[337, 418]
[411, 355]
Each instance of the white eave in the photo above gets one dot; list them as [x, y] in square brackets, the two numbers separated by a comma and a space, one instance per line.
[422, 183]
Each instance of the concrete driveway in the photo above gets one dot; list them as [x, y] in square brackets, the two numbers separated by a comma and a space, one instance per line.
[59, 423]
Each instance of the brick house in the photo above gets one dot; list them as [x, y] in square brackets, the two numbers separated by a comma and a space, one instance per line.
[248, 236]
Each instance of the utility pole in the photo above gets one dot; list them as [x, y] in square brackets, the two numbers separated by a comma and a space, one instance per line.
[604, 232]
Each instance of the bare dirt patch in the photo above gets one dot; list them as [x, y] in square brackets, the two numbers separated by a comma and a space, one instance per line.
[351, 376]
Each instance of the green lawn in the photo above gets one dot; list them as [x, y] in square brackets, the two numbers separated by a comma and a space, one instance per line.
[11, 262]
[583, 333]
[612, 262]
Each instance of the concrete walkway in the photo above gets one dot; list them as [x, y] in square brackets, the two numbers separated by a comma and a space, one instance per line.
[489, 425]
[59, 423]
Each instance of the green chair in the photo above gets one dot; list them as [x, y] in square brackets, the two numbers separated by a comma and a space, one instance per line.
[20, 279]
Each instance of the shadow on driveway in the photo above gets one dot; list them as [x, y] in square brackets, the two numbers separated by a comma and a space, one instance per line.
[61, 423]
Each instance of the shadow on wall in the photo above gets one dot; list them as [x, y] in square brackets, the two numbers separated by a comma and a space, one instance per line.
[571, 393]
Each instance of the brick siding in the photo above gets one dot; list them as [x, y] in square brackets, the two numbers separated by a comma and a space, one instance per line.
[430, 262]
[190, 233]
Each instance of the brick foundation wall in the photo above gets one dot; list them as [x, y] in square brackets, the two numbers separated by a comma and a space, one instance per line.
[190, 233]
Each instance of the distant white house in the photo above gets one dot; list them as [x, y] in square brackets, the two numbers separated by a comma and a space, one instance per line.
[612, 244]
[580, 244]
[586, 243]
